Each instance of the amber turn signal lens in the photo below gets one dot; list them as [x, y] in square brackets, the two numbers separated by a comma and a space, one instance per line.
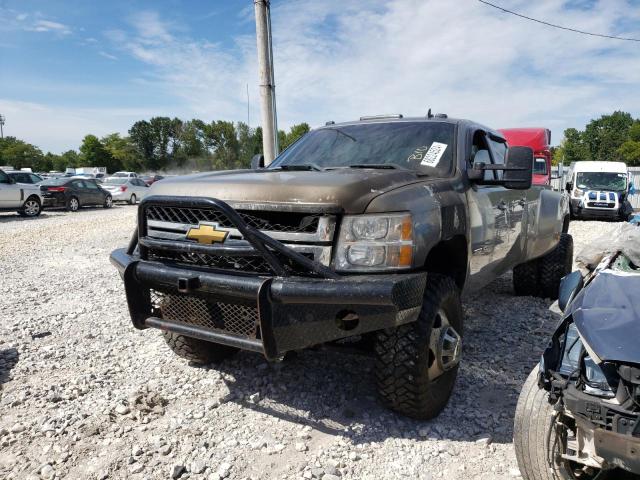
[407, 229]
[406, 256]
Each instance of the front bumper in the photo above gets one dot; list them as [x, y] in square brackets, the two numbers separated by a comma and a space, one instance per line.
[616, 431]
[291, 312]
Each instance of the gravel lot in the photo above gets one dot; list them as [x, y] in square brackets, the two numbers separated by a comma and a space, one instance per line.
[84, 395]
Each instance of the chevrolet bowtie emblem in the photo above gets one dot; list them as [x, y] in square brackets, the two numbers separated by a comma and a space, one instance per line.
[207, 234]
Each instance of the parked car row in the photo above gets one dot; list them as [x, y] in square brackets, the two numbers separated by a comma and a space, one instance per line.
[28, 193]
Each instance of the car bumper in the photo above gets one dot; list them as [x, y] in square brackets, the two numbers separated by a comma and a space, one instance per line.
[590, 212]
[53, 202]
[287, 313]
[615, 435]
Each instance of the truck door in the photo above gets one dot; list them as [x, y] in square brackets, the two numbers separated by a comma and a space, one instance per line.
[490, 216]
[11, 195]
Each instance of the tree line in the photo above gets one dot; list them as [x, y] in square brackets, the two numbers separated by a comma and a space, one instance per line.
[614, 137]
[155, 145]
[165, 144]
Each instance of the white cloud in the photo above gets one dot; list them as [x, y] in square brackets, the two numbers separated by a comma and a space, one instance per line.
[49, 26]
[58, 129]
[107, 55]
[339, 59]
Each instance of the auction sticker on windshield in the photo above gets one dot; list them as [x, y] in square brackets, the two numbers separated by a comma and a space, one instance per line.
[429, 157]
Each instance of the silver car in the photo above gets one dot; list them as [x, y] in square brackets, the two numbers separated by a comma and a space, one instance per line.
[125, 189]
[21, 197]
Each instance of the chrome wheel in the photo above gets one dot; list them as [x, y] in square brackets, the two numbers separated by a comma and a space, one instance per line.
[74, 204]
[108, 202]
[31, 208]
[445, 346]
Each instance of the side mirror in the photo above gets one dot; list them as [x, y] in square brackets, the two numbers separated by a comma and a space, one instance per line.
[11, 180]
[568, 187]
[257, 162]
[518, 171]
[569, 288]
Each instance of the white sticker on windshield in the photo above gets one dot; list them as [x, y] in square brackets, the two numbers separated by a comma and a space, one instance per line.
[432, 156]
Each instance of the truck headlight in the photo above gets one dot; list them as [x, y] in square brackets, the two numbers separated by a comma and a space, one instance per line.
[375, 242]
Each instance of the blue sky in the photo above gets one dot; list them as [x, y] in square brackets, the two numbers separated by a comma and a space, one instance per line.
[75, 67]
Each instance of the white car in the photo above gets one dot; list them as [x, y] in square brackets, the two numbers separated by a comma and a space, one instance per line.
[20, 197]
[125, 175]
[125, 189]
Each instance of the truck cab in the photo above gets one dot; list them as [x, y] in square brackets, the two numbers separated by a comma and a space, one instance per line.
[599, 190]
[539, 140]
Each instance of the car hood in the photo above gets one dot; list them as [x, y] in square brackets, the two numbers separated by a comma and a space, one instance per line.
[349, 190]
[607, 315]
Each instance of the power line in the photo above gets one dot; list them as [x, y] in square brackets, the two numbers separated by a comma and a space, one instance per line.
[575, 30]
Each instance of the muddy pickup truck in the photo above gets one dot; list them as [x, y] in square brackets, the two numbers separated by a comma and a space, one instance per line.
[370, 229]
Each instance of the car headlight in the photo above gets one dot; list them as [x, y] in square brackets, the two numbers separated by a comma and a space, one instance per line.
[578, 192]
[596, 380]
[375, 242]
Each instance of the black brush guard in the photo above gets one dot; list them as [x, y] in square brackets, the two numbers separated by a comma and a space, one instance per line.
[292, 311]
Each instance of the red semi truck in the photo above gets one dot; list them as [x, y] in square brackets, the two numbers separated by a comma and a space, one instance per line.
[539, 140]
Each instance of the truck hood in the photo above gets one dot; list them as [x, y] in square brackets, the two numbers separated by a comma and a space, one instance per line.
[349, 190]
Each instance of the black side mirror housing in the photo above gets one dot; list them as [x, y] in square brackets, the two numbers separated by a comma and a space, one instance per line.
[569, 288]
[568, 187]
[517, 168]
[518, 172]
[257, 162]
[11, 181]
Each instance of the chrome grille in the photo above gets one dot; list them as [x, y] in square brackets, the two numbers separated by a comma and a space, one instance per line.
[271, 221]
[224, 317]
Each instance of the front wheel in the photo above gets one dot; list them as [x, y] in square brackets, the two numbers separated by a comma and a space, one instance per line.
[108, 202]
[31, 208]
[196, 350]
[540, 440]
[417, 363]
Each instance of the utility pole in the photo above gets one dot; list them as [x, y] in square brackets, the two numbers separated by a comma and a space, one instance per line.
[267, 84]
[2, 118]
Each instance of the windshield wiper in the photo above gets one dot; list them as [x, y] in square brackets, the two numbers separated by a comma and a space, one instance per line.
[387, 166]
[306, 167]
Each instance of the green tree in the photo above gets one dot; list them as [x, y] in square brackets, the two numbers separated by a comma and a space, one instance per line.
[20, 154]
[94, 154]
[606, 135]
[574, 146]
[221, 140]
[250, 143]
[123, 152]
[141, 136]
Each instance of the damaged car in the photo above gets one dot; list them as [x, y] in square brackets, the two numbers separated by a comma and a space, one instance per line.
[578, 415]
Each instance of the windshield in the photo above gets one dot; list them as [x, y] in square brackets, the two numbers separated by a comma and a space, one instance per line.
[615, 182]
[423, 146]
[115, 181]
[540, 166]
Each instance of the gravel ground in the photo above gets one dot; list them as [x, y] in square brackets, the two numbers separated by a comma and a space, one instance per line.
[84, 395]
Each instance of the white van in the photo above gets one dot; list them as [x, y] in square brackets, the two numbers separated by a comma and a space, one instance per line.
[599, 190]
